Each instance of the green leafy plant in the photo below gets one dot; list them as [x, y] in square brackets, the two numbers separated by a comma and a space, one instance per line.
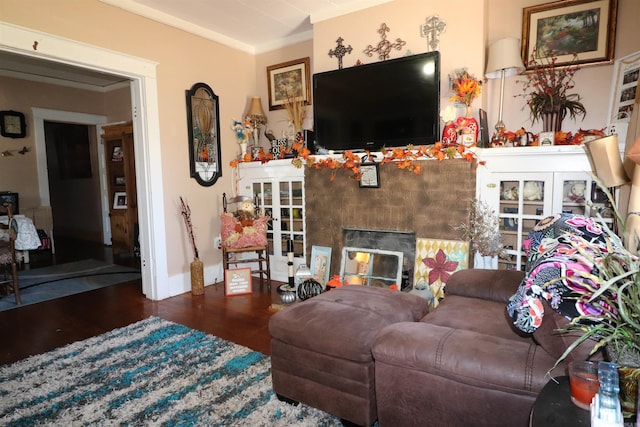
[614, 290]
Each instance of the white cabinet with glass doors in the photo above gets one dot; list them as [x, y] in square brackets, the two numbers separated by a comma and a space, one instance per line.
[278, 186]
[525, 184]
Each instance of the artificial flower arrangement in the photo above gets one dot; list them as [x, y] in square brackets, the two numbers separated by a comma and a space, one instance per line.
[481, 230]
[243, 130]
[295, 111]
[466, 87]
[546, 88]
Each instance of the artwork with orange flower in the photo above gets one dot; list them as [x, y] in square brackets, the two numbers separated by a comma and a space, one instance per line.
[465, 86]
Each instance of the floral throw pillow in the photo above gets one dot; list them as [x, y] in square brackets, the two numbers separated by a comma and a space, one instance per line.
[235, 235]
[556, 264]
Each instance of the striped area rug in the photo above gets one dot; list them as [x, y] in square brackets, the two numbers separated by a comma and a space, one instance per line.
[153, 372]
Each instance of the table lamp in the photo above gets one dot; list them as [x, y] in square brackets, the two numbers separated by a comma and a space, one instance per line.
[256, 116]
[503, 61]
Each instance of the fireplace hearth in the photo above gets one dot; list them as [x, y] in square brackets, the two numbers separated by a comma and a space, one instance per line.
[388, 240]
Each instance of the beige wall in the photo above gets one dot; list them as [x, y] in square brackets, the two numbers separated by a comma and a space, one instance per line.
[277, 119]
[184, 59]
[19, 173]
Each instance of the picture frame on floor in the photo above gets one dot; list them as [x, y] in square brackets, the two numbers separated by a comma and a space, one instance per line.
[320, 263]
[237, 281]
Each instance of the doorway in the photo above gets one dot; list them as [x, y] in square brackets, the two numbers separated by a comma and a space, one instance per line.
[74, 180]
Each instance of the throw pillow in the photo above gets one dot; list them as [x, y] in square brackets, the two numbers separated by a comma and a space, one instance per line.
[235, 235]
[555, 270]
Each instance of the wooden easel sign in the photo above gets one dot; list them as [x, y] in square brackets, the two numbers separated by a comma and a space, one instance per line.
[237, 281]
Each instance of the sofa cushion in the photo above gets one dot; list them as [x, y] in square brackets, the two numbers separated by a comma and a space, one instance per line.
[344, 322]
[554, 342]
[474, 314]
[465, 356]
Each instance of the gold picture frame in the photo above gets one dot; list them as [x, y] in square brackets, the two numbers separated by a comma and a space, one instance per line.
[548, 27]
[291, 78]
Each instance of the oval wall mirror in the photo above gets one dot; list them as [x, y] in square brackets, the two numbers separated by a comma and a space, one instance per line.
[204, 134]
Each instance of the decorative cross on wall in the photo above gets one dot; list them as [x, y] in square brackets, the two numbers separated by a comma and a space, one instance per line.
[340, 51]
[384, 46]
[431, 30]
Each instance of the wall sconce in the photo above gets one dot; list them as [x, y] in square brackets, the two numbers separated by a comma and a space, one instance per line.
[256, 116]
[503, 61]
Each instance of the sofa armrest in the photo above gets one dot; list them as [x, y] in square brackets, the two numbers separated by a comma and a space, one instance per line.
[493, 285]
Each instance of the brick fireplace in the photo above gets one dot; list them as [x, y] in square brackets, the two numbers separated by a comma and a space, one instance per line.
[430, 204]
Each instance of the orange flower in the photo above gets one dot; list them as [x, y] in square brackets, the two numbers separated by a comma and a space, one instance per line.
[465, 86]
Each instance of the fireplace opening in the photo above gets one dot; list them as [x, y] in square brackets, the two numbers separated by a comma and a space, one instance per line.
[388, 240]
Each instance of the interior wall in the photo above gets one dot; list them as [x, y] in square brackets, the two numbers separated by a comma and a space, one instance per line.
[278, 119]
[19, 173]
[183, 59]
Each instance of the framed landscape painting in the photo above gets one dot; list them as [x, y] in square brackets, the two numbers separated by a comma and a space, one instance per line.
[561, 29]
[289, 79]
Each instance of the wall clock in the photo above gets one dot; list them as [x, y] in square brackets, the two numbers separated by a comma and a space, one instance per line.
[12, 124]
[370, 177]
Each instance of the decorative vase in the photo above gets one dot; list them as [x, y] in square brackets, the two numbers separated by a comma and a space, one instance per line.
[552, 119]
[243, 148]
[197, 277]
[449, 134]
[485, 261]
[469, 126]
[628, 362]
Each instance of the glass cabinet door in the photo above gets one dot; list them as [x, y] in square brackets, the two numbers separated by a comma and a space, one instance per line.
[524, 200]
[577, 193]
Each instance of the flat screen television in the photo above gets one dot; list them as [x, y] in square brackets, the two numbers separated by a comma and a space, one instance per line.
[390, 103]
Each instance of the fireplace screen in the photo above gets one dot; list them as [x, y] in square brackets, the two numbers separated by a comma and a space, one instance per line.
[371, 267]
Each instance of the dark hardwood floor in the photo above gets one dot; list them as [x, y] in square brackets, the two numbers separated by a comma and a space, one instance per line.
[38, 328]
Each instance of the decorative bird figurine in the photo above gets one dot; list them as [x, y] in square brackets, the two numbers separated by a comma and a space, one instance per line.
[269, 134]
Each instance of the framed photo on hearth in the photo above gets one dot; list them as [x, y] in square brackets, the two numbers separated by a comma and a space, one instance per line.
[561, 28]
[237, 281]
[320, 263]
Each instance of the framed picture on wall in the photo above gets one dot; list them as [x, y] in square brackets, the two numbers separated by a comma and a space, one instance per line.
[289, 79]
[120, 200]
[562, 28]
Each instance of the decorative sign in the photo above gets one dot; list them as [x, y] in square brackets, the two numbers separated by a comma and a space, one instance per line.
[237, 281]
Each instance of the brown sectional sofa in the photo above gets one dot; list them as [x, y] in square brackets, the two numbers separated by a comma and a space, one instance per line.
[365, 353]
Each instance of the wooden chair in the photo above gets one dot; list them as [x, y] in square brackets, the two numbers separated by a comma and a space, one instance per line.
[8, 257]
[234, 255]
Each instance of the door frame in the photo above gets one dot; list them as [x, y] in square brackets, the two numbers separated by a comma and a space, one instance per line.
[146, 127]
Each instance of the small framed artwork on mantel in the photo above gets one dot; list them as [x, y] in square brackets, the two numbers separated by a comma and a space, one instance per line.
[370, 177]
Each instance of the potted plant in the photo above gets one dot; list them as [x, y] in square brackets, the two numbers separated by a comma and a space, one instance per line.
[546, 91]
[483, 232]
[610, 286]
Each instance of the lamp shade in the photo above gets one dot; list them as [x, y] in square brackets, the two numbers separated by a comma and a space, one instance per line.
[255, 108]
[504, 54]
[604, 155]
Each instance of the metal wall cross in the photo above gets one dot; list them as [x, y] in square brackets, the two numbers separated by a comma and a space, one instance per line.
[384, 46]
[431, 30]
[340, 51]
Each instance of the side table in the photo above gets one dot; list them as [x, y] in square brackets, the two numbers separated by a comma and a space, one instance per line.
[554, 408]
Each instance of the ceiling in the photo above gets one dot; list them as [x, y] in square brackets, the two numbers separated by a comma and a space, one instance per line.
[254, 26]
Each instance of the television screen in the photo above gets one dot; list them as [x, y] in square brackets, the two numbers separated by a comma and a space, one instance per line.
[391, 103]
